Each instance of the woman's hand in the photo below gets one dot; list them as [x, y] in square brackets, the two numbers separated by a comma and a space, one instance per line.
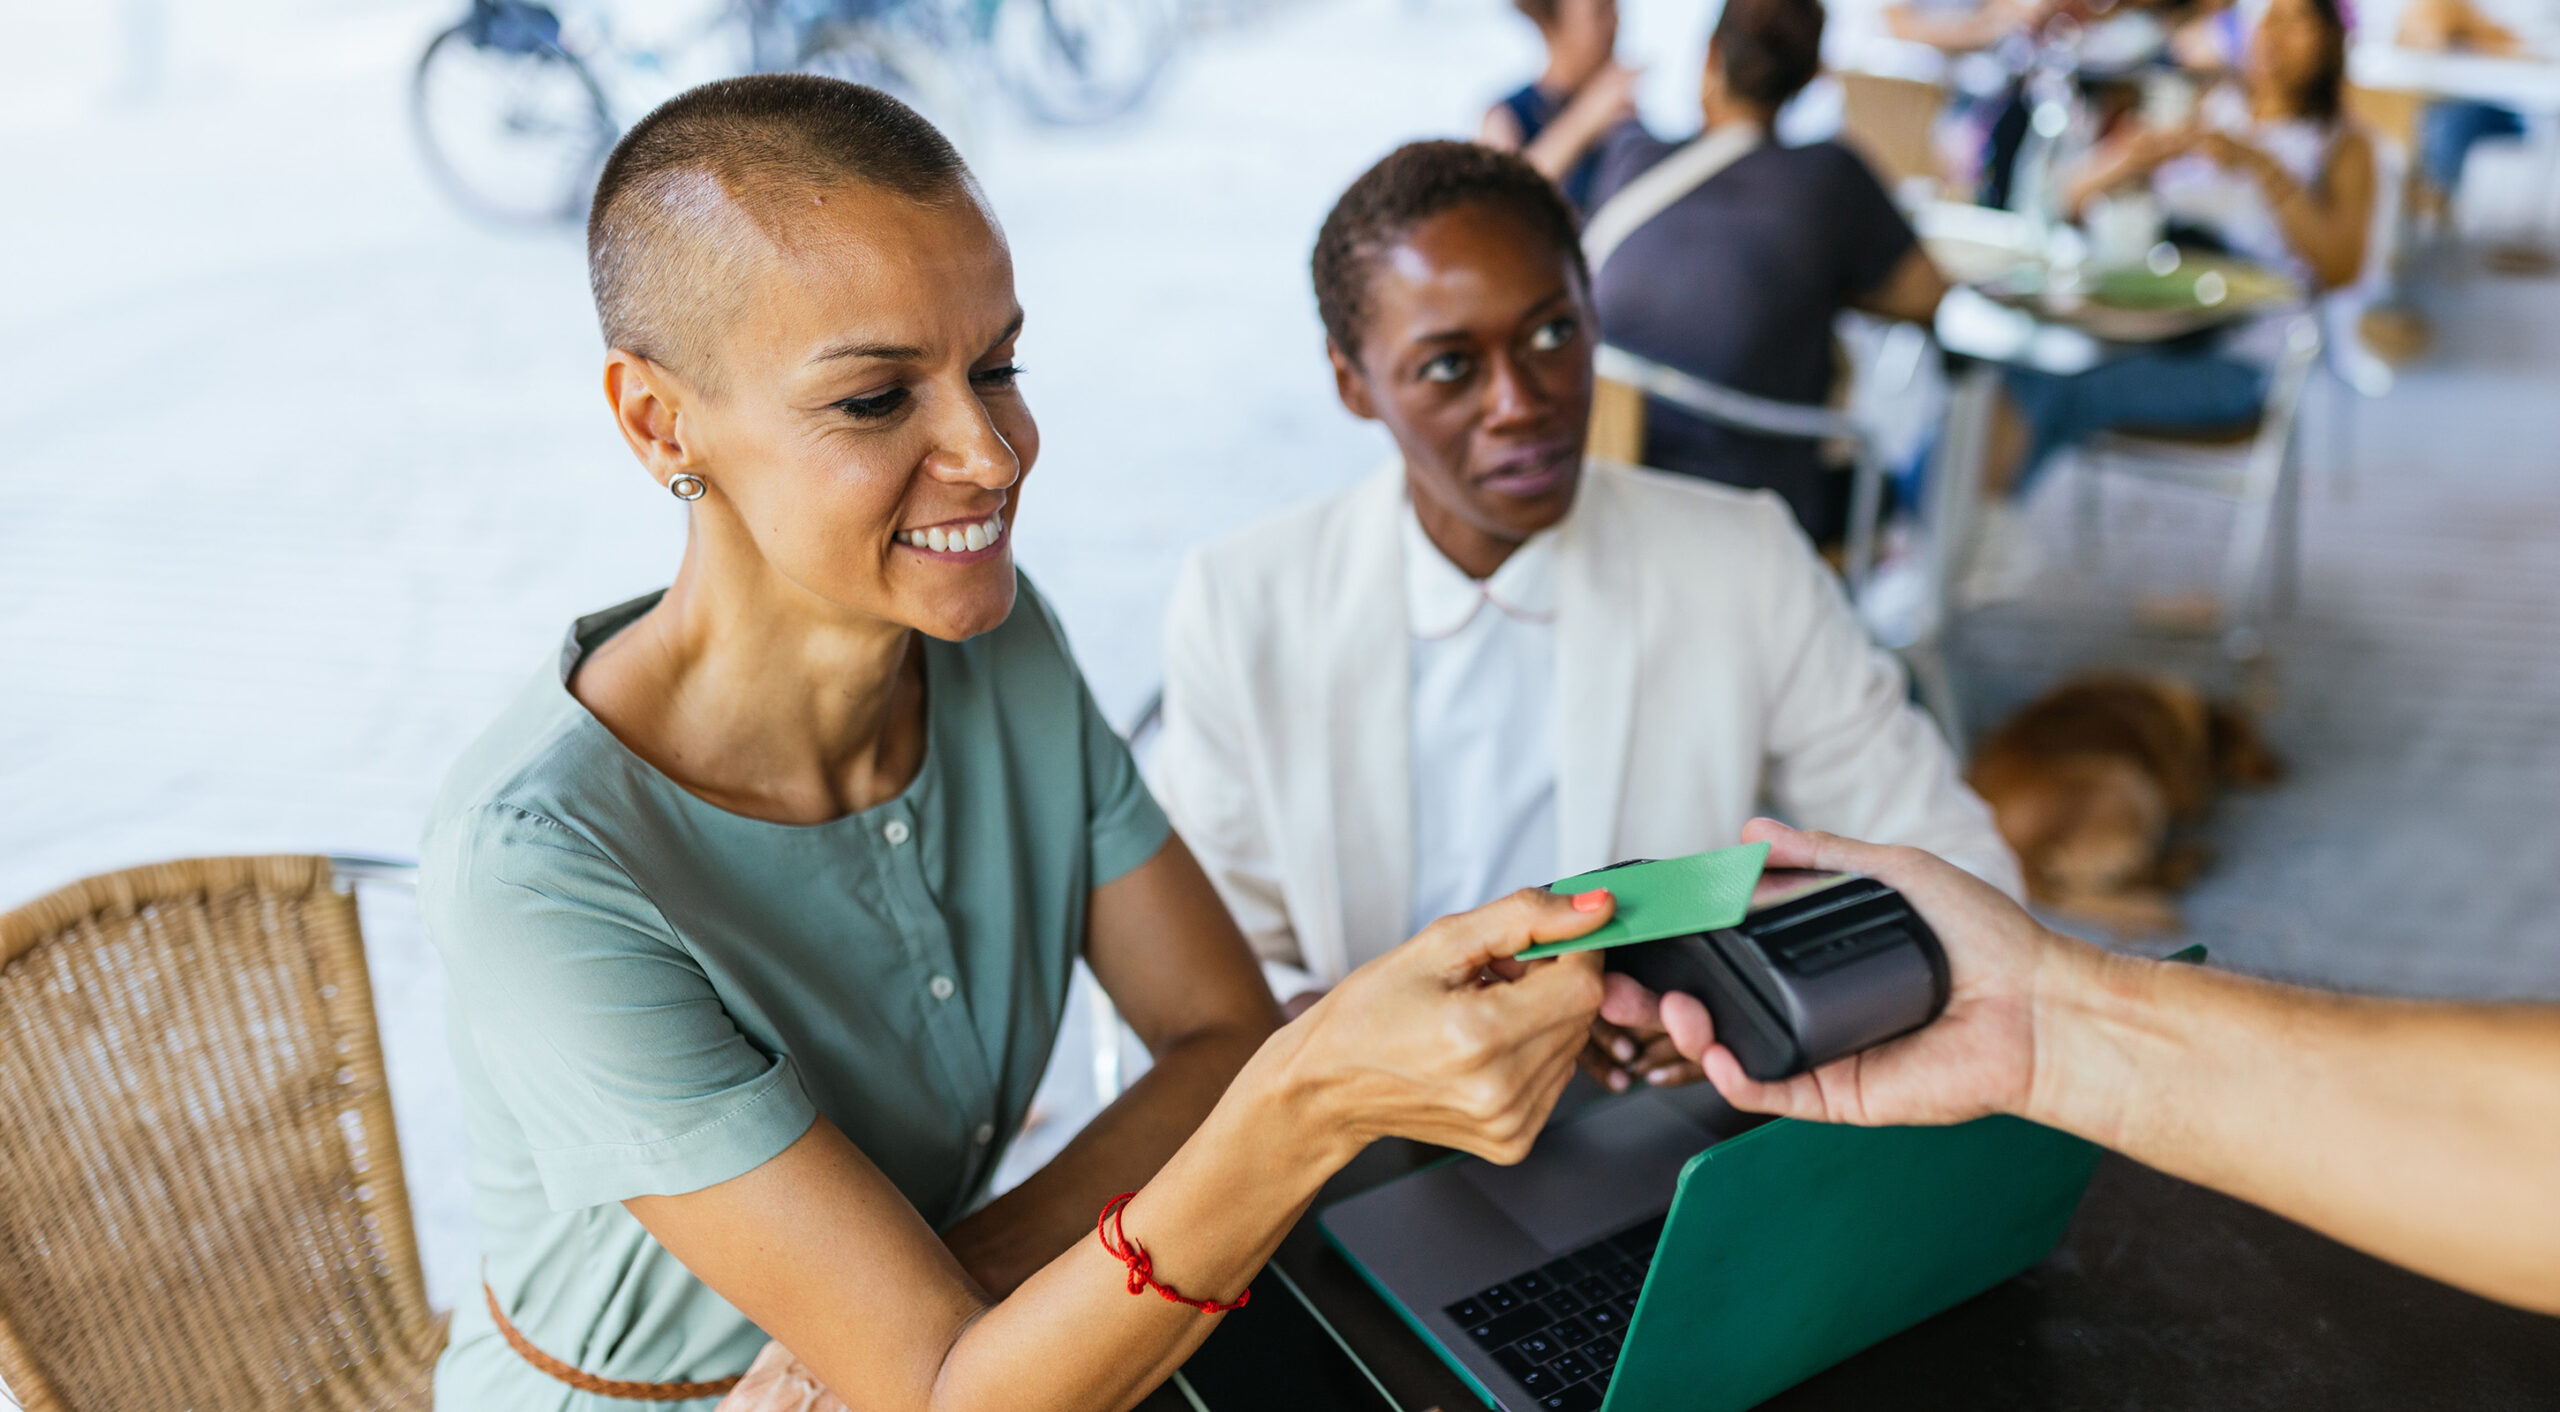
[1977, 1058]
[1447, 1039]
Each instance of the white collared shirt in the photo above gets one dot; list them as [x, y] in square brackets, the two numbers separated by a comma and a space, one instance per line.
[1484, 747]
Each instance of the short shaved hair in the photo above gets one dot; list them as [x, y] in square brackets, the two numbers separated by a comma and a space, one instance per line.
[668, 254]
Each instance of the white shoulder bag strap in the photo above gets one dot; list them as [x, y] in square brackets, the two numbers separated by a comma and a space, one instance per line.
[1667, 181]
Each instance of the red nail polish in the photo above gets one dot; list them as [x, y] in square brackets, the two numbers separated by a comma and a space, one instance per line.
[1589, 901]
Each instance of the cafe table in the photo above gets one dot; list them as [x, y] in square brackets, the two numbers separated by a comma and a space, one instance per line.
[2161, 1295]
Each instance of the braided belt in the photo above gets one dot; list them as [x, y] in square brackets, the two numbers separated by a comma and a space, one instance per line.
[589, 1382]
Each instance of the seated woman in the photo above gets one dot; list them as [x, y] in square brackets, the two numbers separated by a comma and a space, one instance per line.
[2274, 173]
[758, 907]
[1489, 665]
[1730, 258]
[1556, 121]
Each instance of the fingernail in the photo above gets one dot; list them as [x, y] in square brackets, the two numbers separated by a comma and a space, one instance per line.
[1625, 1049]
[1660, 1076]
[1590, 901]
[1617, 1080]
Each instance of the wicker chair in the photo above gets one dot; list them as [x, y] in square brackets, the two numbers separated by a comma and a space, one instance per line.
[201, 1204]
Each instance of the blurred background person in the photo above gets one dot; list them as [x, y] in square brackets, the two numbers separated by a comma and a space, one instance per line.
[2273, 171]
[2450, 127]
[1583, 93]
[1737, 273]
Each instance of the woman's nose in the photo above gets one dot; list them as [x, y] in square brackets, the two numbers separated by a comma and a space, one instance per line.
[1511, 396]
[969, 448]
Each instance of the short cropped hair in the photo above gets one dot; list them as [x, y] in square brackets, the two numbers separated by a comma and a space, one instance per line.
[1771, 48]
[1411, 185]
[667, 256]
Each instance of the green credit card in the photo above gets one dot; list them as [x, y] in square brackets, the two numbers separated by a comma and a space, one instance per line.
[1674, 897]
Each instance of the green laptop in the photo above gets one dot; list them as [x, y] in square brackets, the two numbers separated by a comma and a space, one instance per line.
[1757, 1262]
[1662, 1251]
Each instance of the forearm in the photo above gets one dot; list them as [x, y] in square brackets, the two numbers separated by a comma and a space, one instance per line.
[1002, 1243]
[1073, 1336]
[1555, 151]
[2426, 1134]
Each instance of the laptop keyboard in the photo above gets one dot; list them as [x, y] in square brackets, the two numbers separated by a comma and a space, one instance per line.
[1556, 1329]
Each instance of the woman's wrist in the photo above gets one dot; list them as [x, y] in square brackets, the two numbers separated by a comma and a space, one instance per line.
[1290, 1110]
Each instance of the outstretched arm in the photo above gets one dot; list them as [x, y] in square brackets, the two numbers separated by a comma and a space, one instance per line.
[2425, 1133]
[819, 1249]
[1177, 970]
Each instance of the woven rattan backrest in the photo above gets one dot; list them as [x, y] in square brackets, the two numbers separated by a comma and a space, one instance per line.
[201, 1204]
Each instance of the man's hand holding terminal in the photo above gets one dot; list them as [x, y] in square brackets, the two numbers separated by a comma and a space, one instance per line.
[2425, 1133]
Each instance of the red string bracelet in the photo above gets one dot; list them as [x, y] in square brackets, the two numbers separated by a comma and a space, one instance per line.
[1142, 1273]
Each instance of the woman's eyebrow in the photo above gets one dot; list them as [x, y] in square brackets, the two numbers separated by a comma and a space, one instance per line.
[903, 352]
[1010, 329]
[886, 352]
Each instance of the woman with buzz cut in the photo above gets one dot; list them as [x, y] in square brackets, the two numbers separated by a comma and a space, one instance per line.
[758, 905]
[1489, 664]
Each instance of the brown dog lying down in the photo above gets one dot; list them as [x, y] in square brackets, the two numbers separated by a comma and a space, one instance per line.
[2092, 782]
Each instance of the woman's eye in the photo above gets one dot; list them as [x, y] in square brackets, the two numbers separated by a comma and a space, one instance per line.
[874, 407]
[1448, 367]
[998, 377]
[1553, 334]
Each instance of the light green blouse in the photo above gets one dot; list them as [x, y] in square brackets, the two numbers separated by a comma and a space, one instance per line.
[650, 994]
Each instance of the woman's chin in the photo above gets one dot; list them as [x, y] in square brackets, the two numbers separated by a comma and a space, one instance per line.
[962, 612]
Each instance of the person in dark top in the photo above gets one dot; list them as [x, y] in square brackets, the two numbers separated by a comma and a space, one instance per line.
[1555, 122]
[1739, 280]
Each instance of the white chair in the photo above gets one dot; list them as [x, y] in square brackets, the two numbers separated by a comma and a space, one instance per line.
[1763, 416]
[2256, 466]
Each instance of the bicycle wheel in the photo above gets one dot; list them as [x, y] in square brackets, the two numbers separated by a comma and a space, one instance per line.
[512, 126]
[1080, 61]
[907, 65]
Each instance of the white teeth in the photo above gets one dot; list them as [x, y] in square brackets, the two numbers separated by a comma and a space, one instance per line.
[966, 539]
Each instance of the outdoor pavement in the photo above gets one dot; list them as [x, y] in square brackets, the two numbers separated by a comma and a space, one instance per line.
[304, 475]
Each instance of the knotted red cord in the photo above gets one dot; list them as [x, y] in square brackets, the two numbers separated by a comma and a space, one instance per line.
[1142, 1273]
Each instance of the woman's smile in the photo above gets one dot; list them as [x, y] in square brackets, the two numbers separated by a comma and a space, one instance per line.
[958, 541]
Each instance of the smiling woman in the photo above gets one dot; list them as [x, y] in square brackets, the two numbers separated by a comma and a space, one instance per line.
[758, 907]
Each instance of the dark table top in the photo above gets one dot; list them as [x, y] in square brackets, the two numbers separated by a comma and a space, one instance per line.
[2162, 1295]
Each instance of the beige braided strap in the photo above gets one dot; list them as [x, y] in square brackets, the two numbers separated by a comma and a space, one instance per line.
[589, 1382]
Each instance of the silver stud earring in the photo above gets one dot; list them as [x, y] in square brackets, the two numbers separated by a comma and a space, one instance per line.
[686, 486]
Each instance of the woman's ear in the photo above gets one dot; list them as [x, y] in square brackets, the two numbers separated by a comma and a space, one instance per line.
[646, 402]
[1349, 384]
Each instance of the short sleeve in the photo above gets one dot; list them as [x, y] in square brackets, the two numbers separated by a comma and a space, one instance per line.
[1123, 825]
[1872, 232]
[599, 1033]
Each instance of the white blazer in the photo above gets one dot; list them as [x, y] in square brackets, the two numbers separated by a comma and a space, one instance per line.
[1708, 668]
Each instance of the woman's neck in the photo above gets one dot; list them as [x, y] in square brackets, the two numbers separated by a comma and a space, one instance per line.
[1475, 551]
[754, 694]
[2269, 102]
[1722, 109]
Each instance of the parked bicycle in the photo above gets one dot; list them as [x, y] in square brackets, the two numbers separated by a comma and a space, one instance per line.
[516, 105]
